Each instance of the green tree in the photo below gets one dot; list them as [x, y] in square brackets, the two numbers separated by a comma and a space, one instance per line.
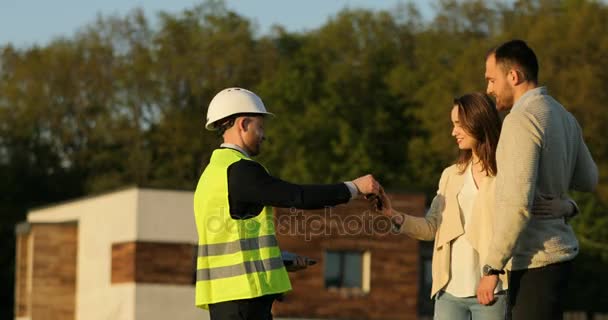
[123, 102]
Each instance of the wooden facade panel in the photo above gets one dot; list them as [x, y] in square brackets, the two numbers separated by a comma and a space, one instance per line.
[123, 262]
[165, 263]
[22, 276]
[153, 262]
[53, 295]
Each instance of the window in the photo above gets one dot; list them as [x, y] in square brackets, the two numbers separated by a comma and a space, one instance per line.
[347, 269]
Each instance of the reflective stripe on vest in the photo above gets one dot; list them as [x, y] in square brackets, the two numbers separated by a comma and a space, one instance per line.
[217, 249]
[239, 269]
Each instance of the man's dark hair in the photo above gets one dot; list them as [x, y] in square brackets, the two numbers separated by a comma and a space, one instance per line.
[227, 123]
[516, 54]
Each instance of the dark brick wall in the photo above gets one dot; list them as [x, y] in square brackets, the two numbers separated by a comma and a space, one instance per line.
[394, 262]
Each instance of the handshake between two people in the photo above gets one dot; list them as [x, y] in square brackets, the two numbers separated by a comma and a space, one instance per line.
[368, 188]
[371, 190]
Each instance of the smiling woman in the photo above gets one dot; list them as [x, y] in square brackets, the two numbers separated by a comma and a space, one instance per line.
[461, 217]
[476, 129]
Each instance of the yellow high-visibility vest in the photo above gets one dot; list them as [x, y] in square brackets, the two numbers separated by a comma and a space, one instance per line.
[237, 259]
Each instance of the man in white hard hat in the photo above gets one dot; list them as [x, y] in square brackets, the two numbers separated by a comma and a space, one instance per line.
[240, 270]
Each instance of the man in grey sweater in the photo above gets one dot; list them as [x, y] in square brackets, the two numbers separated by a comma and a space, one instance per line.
[541, 152]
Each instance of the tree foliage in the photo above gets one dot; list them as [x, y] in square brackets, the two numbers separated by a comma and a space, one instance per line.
[123, 101]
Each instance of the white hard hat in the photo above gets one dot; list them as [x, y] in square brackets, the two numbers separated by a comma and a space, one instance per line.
[232, 101]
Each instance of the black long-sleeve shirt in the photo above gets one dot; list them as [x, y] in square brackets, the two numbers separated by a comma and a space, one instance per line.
[250, 188]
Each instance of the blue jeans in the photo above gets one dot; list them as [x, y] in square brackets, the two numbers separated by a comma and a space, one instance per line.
[448, 307]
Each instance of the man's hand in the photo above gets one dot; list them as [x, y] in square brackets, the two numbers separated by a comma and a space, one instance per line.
[549, 207]
[299, 263]
[294, 262]
[485, 290]
[382, 203]
[367, 184]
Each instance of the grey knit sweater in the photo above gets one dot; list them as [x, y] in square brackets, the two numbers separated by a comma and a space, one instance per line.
[541, 151]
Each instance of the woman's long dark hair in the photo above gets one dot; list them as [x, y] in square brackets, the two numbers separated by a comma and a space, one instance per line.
[478, 116]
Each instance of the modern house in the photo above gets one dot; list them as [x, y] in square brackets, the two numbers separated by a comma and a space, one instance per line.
[129, 255]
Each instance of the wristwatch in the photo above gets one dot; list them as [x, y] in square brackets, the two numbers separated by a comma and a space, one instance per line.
[489, 271]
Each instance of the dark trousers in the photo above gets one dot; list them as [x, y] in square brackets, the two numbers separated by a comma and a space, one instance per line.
[247, 309]
[538, 294]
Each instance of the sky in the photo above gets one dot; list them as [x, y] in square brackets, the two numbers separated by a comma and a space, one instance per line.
[28, 22]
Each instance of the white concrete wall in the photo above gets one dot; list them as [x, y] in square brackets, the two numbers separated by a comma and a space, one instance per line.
[102, 221]
[162, 302]
[166, 216]
[125, 216]
[118, 303]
